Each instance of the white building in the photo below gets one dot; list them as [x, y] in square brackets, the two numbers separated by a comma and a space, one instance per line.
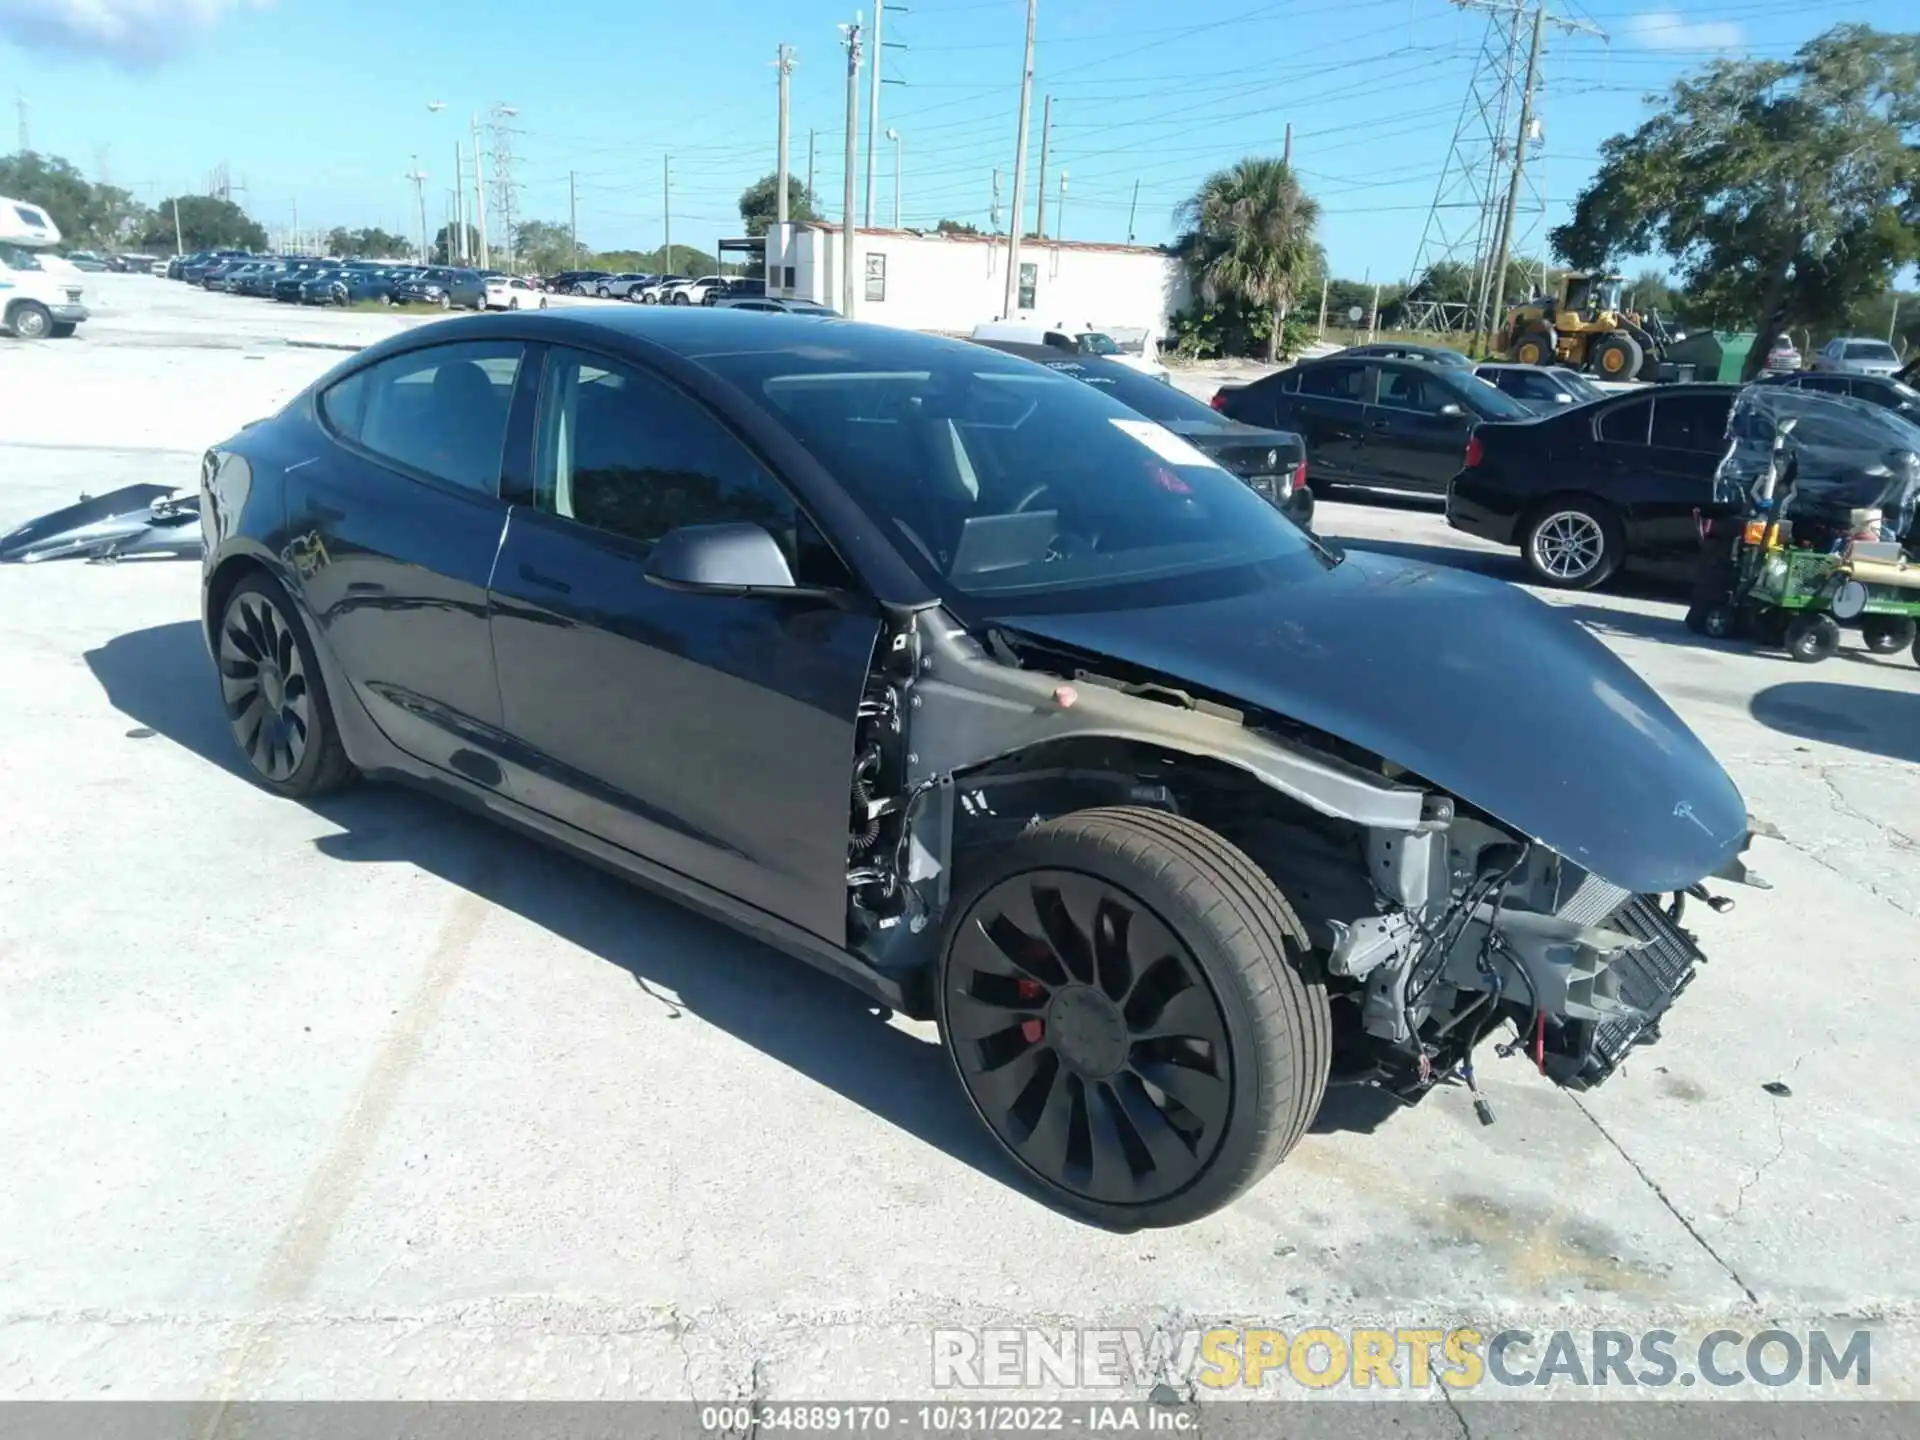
[924, 280]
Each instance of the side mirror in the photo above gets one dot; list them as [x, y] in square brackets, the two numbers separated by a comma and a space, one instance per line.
[1451, 411]
[724, 559]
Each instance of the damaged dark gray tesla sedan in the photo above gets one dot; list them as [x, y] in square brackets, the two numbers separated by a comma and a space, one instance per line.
[951, 676]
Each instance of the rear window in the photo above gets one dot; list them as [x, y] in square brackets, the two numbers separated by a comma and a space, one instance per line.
[1871, 350]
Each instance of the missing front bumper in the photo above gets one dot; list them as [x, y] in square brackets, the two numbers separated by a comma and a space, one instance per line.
[1650, 978]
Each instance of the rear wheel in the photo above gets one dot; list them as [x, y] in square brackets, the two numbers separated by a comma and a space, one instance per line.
[1812, 638]
[1888, 634]
[1716, 622]
[1572, 544]
[1618, 357]
[1119, 996]
[276, 699]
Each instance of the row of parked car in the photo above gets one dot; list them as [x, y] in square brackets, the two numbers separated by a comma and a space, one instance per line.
[645, 289]
[1580, 480]
[314, 280]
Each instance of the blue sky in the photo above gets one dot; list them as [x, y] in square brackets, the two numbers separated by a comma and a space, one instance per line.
[323, 103]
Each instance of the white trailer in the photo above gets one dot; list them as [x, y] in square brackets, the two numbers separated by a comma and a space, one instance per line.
[35, 303]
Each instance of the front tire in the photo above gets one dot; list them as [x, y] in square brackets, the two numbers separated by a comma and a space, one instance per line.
[1618, 357]
[1813, 637]
[275, 696]
[1572, 544]
[1119, 995]
[30, 320]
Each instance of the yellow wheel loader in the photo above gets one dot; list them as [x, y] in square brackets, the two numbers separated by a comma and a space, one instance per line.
[1585, 327]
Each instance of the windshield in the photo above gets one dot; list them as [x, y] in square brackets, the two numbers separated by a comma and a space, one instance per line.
[1003, 479]
[18, 257]
[1094, 343]
[1491, 403]
[1577, 385]
[1872, 350]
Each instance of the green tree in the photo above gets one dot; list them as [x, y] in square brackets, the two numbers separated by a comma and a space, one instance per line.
[686, 261]
[1250, 239]
[99, 217]
[206, 223]
[760, 203]
[1787, 190]
[955, 227]
[541, 247]
[438, 253]
[371, 244]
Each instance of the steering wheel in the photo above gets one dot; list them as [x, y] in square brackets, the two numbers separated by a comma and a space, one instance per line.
[1026, 500]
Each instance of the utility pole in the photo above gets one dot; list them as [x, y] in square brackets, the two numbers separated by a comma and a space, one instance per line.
[1321, 330]
[179, 244]
[480, 193]
[873, 112]
[420, 195]
[459, 231]
[573, 219]
[26, 139]
[296, 224]
[1286, 150]
[1046, 136]
[1020, 167]
[784, 63]
[993, 215]
[1133, 210]
[506, 191]
[853, 138]
[1505, 246]
[666, 206]
[1060, 220]
[1892, 325]
[809, 162]
[894, 135]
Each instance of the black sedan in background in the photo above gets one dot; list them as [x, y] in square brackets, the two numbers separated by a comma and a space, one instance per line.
[1383, 424]
[1581, 493]
[1273, 462]
[445, 287]
[955, 677]
[1882, 390]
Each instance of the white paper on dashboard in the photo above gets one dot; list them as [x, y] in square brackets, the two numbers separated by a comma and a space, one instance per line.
[1163, 442]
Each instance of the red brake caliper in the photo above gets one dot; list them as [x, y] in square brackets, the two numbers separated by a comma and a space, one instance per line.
[1031, 1030]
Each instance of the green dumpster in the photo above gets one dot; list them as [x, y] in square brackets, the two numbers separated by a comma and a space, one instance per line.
[1714, 354]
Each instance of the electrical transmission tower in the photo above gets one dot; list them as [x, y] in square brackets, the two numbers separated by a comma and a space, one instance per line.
[504, 191]
[1466, 223]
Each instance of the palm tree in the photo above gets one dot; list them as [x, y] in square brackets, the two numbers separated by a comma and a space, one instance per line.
[1250, 237]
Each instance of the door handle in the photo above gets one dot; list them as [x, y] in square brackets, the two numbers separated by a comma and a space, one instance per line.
[545, 582]
[1380, 425]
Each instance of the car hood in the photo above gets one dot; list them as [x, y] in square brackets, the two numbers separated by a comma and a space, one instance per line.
[1470, 683]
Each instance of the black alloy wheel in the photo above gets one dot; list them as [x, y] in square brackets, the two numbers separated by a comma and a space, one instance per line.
[1812, 637]
[275, 698]
[1120, 1004]
[1887, 634]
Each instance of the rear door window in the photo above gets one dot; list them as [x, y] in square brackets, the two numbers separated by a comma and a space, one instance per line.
[1409, 390]
[439, 412]
[1627, 424]
[1335, 380]
[1691, 422]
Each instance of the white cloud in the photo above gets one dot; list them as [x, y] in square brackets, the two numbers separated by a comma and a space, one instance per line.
[130, 32]
[1668, 30]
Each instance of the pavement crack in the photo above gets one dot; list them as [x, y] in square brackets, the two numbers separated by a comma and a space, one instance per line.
[1845, 807]
[1667, 1201]
[1817, 854]
[1459, 1418]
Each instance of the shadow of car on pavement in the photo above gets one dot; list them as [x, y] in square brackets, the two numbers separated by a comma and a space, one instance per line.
[162, 678]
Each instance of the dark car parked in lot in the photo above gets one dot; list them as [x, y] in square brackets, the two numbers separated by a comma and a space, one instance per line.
[445, 287]
[1395, 350]
[347, 286]
[1884, 391]
[737, 288]
[938, 670]
[1272, 462]
[1628, 478]
[1383, 424]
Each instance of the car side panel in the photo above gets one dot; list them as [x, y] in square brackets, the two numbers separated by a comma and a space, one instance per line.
[395, 572]
[712, 734]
